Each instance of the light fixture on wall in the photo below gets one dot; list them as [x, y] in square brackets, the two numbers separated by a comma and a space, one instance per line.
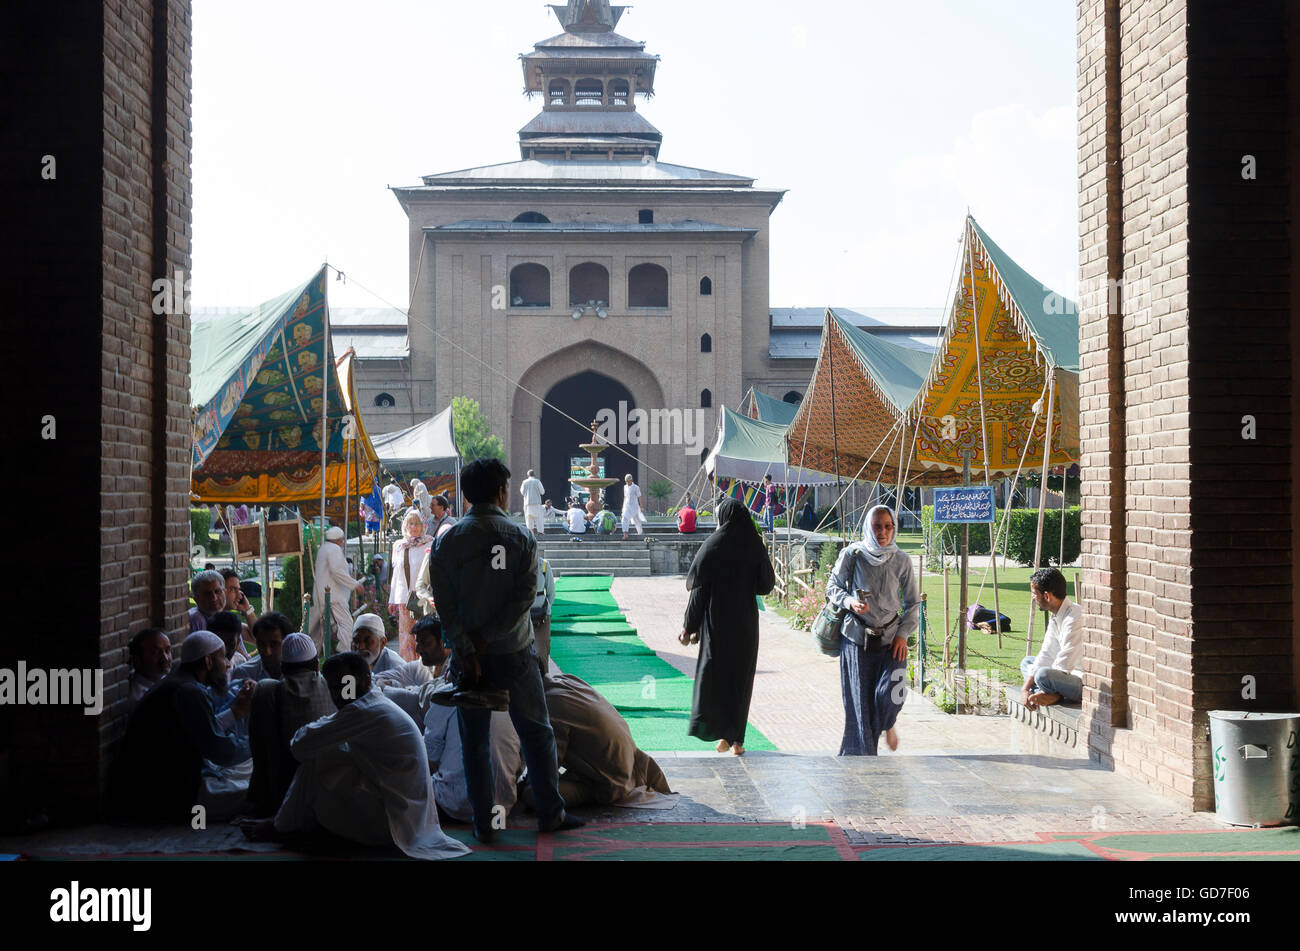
[596, 307]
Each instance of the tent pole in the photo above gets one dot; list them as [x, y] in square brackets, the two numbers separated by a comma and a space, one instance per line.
[324, 412]
[301, 593]
[1042, 496]
[268, 593]
[984, 433]
[789, 518]
[835, 442]
[347, 490]
[964, 568]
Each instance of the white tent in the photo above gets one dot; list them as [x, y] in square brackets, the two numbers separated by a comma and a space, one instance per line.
[427, 448]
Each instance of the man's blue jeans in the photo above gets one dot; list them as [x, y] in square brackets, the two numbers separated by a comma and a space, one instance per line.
[520, 674]
[1053, 680]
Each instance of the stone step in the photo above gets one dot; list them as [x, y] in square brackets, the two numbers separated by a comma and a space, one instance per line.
[612, 572]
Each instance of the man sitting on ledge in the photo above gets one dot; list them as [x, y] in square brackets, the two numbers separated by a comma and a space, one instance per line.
[1055, 674]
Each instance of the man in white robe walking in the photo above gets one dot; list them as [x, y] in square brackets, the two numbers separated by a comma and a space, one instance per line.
[631, 506]
[332, 572]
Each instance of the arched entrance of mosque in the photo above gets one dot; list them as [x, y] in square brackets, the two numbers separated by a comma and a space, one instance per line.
[581, 396]
[580, 381]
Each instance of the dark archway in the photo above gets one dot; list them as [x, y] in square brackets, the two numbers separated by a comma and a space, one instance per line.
[582, 396]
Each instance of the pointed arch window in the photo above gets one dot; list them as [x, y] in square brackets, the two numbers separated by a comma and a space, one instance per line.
[706, 287]
[706, 400]
[706, 344]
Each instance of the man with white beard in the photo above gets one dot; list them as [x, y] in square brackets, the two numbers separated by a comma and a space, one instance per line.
[332, 572]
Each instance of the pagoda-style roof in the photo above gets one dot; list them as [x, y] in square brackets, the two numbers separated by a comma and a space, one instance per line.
[588, 16]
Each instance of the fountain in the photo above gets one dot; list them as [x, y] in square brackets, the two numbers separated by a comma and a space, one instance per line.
[591, 482]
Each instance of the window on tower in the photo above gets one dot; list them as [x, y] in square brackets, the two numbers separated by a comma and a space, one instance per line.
[588, 283]
[706, 400]
[706, 344]
[645, 216]
[647, 286]
[530, 286]
[793, 397]
[706, 287]
[589, 92]
[619, 92]
[532, 218]
[557, 93]
[385, 401]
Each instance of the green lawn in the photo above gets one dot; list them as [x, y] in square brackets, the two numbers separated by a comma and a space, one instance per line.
[982, 651]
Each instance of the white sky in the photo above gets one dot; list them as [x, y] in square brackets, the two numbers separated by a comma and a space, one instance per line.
[884, 120]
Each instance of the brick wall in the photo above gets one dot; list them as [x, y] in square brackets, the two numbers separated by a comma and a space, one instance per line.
[96, 234]
[145, 369]
[1187, 548]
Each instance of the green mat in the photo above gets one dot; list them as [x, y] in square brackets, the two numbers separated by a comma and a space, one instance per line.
[591, 639]
[568, 626]
[583, 583]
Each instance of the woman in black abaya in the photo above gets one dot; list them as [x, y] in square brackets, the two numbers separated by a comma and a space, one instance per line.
[722, 616]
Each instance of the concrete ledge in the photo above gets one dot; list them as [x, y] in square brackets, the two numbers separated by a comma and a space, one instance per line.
[1046, 731]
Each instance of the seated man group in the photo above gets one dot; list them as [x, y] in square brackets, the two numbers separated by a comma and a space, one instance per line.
[355, 750]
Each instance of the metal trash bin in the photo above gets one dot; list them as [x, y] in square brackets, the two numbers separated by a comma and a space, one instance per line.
[1256, 759]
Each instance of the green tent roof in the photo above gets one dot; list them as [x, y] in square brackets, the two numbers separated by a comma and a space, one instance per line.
[748, 449]
[1053, 319]
[772, 410]
[896, 372]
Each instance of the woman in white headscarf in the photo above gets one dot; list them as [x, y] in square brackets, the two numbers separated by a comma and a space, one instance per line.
[884, 607]
[408, 555]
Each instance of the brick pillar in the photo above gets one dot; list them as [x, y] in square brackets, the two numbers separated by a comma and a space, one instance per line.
[113, 377]
[1188, 542]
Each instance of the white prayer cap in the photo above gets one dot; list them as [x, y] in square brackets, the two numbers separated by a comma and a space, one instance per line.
[297, 648]
[370, 622]
[335, 534]
[199, 645]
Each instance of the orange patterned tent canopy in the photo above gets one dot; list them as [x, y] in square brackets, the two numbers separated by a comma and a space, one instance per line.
[1023, 334]
[851, 420]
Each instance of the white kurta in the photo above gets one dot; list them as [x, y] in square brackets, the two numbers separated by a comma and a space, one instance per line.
[365, 777]
[632, 507]
[332, 571]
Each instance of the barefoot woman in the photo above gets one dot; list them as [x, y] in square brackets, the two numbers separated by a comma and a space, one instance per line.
[883, 610]
[722, 615]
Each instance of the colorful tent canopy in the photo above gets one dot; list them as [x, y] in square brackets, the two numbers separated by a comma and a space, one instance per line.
[258, 391]
[748, 449]
[769, 409]
[425, 449]
[851, 418]
[1025, 333]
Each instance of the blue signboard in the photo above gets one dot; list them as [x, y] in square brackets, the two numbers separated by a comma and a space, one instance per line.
[966, 504]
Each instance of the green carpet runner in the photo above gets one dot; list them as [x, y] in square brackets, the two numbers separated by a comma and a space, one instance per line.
[591, 639]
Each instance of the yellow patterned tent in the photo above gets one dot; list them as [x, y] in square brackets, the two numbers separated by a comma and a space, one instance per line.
[1025, 336]
[873, 407]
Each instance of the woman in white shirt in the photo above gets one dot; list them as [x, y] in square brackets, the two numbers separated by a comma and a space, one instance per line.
[408, 555]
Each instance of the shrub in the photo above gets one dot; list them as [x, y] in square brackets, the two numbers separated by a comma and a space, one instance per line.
[1018, 541]
[806, 607]
[201, 525]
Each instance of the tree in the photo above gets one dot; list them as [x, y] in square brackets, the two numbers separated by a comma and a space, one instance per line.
[474, 438]
[660, 490]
